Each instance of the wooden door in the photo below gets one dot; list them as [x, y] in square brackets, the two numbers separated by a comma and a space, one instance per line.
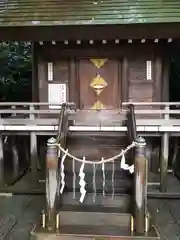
[99, 83]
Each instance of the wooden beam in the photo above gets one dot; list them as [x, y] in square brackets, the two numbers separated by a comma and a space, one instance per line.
[35, 130]
[49, 51]
[85, 32]
[26, 104]
[49, 123]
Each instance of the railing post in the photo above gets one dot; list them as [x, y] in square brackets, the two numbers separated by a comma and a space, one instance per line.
[51, 184]
[164, 156]
[140, 182]
[15, 154]
[1, 160]
[33, 145]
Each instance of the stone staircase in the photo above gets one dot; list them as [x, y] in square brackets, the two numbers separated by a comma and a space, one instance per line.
[98, 217]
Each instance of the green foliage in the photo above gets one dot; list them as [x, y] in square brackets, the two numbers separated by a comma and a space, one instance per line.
[15, 71]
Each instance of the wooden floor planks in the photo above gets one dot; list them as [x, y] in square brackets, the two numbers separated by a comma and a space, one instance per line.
[19, 213]
[166, 223]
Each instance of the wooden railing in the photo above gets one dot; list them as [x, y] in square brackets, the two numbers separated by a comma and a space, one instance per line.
[25, 109]
[18, 116]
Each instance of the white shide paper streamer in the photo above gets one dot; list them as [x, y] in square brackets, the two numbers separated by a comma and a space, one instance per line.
[62, 172]
[74, 178]
[104, 178]
[82, 183]
[125, 166]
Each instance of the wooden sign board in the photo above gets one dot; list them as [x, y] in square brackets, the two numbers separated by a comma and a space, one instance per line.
[56, 94]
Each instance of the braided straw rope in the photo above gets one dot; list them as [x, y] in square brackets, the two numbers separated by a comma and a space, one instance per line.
[111, 159]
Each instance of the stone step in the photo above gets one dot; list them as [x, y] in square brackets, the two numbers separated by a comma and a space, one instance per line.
[119, 182]
[93, 203]
[94, 219]
[116, 191]
[94, 225]
[94, 151]
[77, 232]
[99, 139]
[94, 148]
[109, 174]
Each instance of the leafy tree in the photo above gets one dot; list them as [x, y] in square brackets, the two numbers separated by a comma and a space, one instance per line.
[15, 71]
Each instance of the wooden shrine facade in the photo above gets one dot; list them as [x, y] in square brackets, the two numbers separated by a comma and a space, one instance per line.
[131, 40]
[128, 41]
[101, 74]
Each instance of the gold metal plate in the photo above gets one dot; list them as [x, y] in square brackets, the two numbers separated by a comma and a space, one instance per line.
[99, 62]
[98, 105]
[98, 84]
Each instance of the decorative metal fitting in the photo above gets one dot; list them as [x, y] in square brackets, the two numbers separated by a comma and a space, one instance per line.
[140, 142]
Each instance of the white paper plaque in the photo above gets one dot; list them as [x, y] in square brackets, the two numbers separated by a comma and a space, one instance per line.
[50, 71]
[56, 94]
[148, 70]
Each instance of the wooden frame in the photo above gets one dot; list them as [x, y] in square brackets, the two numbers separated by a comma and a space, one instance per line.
[73, 50]
[126, 31]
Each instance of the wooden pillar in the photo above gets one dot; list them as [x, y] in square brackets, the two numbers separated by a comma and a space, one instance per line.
[164, 157]
[33, 137]
[165, 138]
[157, 79]
[15, 154]
[164, 161]
[73, 82]
[33, 151]
[52, 178]
[1, 160]
[33, 146]
[125, 85]
[140, 177]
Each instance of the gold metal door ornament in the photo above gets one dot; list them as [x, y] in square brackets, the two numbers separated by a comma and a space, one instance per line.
[98, 84]
[98, 105]
[98, 62]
